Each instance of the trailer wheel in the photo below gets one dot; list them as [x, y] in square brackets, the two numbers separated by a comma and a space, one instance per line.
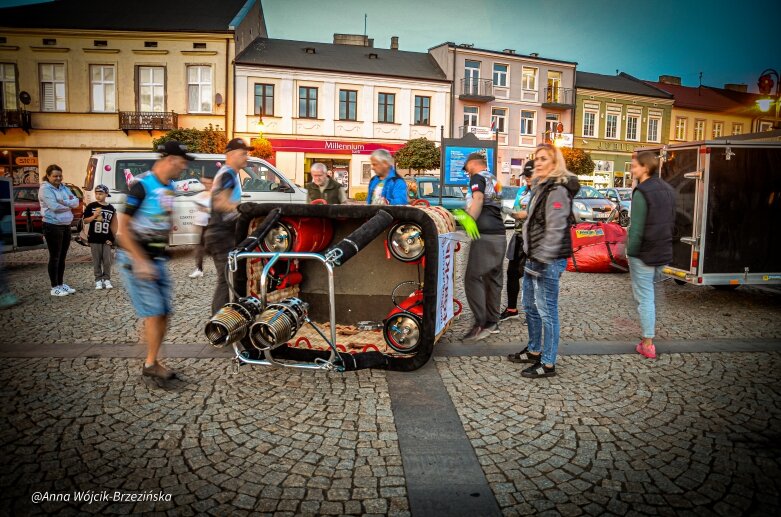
[679, 282]
[728, 287]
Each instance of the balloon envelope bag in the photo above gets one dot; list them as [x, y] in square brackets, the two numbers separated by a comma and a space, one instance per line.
[338, 287]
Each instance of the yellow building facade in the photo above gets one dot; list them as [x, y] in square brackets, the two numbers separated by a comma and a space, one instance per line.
[71, 92]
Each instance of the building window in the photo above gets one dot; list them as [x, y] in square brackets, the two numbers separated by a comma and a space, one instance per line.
[632, 123]
[103, 87]
[307, 102]
[53, 87]
[151, 88]
[8, 86]
[590, 123]
[422, 110]
[554, 92]
[527, 122]
[611, 125]
[264, 100]
[680, 128]
[385, 107]
[471, 114]
[765, 125]
[718, 129]
[500, 75]
[699, 130]
[551, 126]
[348, 105]
[653, 129]
[498, 119]
[199, 89]
[472, 77]
[529, 78]
[737, 129]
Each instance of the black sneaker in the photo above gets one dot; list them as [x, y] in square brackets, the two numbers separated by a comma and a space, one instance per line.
[509, 315]
[524, 356]
[538, 370]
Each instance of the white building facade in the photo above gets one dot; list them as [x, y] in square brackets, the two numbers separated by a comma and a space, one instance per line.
[337, 117]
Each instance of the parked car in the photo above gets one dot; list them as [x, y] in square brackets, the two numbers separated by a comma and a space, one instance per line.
[261, 183]
[622, 198]
[427, 188]
[508, 199]
[28, 210]
[590, 205]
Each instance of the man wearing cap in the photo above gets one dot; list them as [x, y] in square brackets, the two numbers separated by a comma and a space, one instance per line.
[143, 236]
[515, 254]
[220, 235]
[483, 277]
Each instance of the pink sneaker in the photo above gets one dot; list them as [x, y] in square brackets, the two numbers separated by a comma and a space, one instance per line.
[646, 351]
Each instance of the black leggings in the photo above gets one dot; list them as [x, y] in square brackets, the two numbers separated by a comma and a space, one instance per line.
[58, 240]
[514, 274]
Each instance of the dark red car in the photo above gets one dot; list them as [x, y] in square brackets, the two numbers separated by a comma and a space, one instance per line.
[28, 209]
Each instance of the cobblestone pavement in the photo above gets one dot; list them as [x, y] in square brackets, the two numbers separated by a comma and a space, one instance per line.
[263, 441]
[593, 307]
[686, 434]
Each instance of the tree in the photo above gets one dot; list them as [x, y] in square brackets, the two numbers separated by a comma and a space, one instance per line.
[578, 161]
[210, 140]
[419, 154]
[263, 149]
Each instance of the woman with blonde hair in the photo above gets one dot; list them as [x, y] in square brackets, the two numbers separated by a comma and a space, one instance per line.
[547, 244]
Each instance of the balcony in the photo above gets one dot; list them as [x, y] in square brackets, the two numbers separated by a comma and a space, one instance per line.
[10, 119]
[559, 98]
[147, 121]
[476, 90]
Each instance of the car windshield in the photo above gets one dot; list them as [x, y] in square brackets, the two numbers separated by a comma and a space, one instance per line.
[589, 193]
[625, 195]
[431, 189]
[26, 194]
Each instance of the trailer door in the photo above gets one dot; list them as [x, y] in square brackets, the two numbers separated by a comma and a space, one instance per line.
[743, 211]
[677, 164]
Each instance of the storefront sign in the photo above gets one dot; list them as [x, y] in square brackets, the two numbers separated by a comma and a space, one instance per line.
[26, 161]
[445, 290]
[290, 145]
[483, 133]
[454, 163]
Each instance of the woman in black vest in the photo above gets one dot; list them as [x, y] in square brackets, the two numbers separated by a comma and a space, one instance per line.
[650, 242]
[547, 243]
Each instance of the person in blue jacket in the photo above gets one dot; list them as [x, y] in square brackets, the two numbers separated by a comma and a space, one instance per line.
[386, 187]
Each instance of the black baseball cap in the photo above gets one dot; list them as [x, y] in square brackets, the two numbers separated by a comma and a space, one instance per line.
[102, 188]
[237, 144]
[473, 156]
[528, 168]
[174, 148]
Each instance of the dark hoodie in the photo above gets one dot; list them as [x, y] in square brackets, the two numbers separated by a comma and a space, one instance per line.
[546, 234]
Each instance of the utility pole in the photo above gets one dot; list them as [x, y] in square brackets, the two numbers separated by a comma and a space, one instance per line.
[365, 22]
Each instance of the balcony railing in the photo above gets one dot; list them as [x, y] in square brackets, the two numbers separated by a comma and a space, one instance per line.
[10, 119]
[558, 98]
[147, 121]
[480, 90]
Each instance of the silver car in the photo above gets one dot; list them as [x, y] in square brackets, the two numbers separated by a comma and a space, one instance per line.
[622, 198]
[590, 205]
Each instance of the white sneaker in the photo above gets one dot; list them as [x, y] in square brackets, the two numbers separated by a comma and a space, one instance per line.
[196, 274]
[98, 285]
[59, 291]
[107, 284]
[68, 289]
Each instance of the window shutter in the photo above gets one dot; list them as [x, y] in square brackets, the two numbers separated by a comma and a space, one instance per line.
[47, 97]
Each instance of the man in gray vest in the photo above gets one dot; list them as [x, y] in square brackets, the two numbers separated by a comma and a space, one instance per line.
[324, 187]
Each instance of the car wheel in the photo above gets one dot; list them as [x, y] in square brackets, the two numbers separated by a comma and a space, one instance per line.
[623, 218]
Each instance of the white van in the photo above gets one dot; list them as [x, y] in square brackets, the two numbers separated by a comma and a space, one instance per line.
[261, 183]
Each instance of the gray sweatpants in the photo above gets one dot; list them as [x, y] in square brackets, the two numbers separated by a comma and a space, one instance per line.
[484, 276]
[101, 261]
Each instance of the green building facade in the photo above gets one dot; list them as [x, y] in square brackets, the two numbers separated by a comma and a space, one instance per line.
[614, 116]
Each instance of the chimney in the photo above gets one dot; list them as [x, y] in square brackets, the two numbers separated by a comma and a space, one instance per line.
[670, 79]
[370, 42]
[534, 54]
[509, 51]
[358, 40]
[743, 88]
[394, 43]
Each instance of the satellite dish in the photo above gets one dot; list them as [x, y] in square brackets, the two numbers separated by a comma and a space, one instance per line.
[25, 98]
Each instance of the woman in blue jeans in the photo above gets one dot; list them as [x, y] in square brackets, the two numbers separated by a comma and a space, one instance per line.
[650, 242]
[547, 243]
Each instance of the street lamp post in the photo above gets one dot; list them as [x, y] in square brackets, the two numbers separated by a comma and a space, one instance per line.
[765, 85]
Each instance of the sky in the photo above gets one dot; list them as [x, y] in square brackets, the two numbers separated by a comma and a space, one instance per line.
[729, 42]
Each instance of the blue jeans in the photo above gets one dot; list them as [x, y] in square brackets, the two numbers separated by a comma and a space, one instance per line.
[541, 304]
[643, 278]
[149, 298]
